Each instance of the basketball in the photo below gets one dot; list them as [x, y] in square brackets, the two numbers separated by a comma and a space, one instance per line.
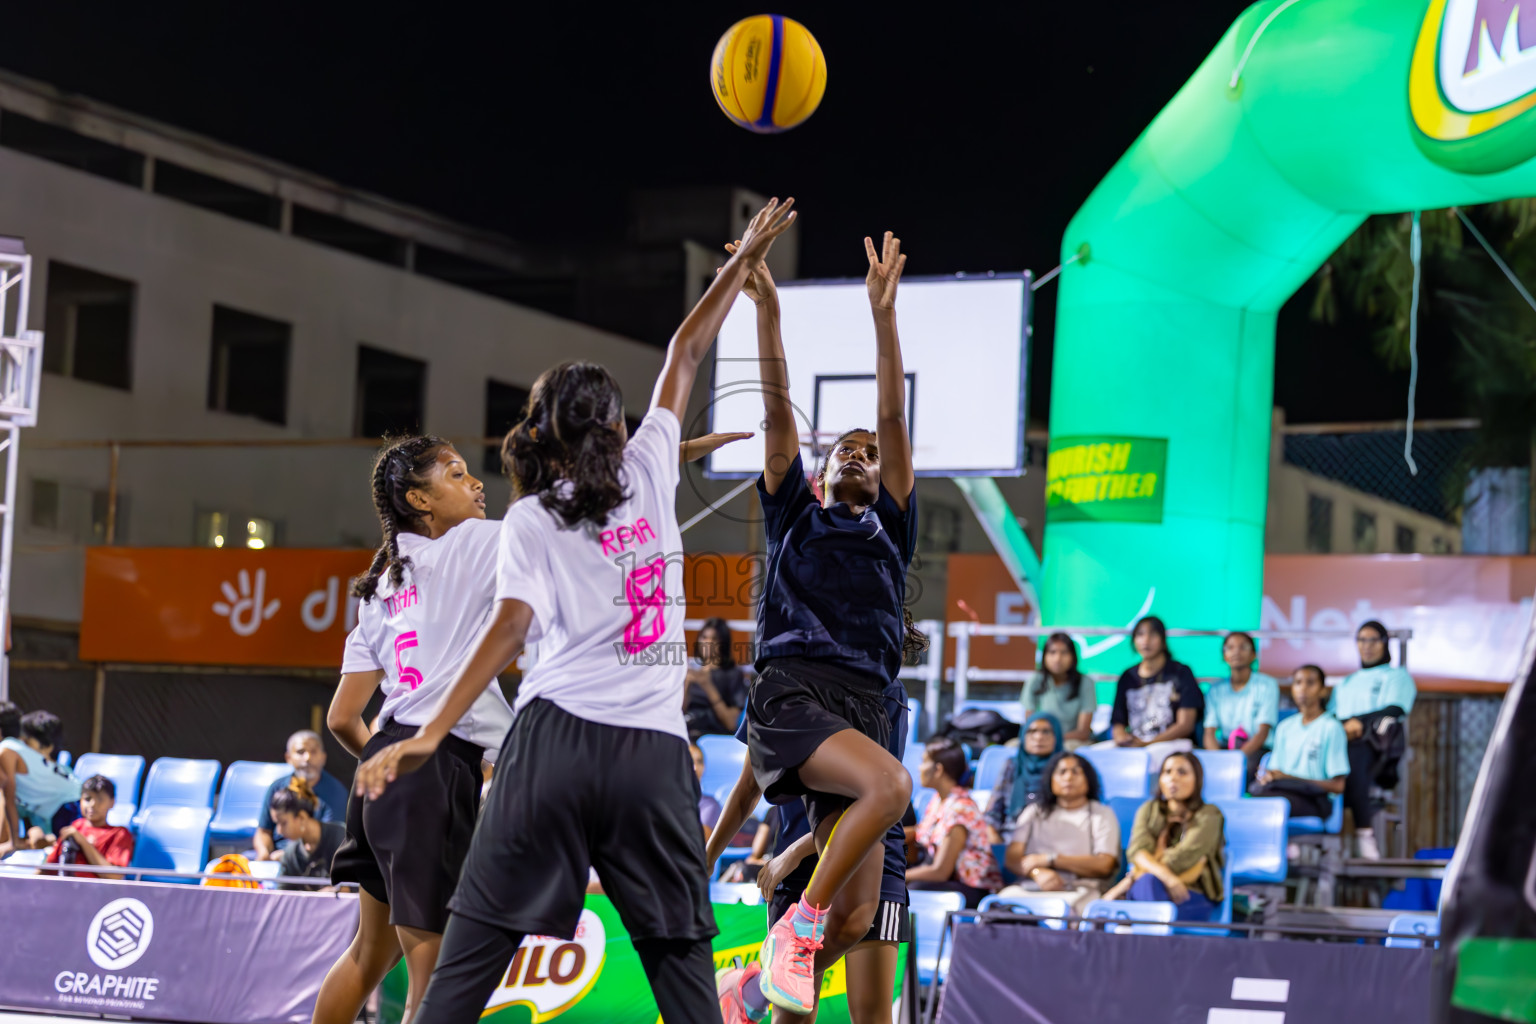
[768, 73]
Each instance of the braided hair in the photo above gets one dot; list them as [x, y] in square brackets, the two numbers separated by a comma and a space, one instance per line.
[573, 436]
[402, 466]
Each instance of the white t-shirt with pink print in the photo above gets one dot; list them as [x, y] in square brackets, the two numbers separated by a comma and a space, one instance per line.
[608, 602]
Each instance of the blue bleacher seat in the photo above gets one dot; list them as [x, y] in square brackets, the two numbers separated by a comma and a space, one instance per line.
[178, 782]
[1419, 894]
[760, 812]
[1226, 773]
[64, 759]
[1135, 917]
[245, 786]
[723, 758]
[735, 892]
[1009, 709]
[914, 721]
[1000, 854]
[990, 766]
[172, 837]
[126, 772]
[1255, 832]
[22, 862]
[1040, 904]
[920, 797]
[1101, 717]
[1125, 808]
[1122, 770]
[1413, 931]
[930, 908]
[1331, 826]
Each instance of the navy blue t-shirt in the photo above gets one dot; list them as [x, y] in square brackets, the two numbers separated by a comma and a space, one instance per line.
[835, 582]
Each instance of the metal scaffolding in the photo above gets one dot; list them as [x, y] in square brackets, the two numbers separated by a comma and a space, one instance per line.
[21, 368]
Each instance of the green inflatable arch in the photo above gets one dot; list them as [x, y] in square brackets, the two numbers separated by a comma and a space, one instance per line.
[1308, 116]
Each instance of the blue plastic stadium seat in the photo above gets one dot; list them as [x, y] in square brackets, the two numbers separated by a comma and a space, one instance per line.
[930, 908]
[735, 892]
[178, 782]
[126, 772]
[1039, 904]
[723, 758]
[1101, 716]
[22, 862]
[990, 767]
[920, 797]
[1226, 773]
[1413, 931]
[1134, 917]
[1256, 831]
[1009, 709]
[760, 812]
[64, 759]
[1330, 826]
[1125, 808]
[245, 785]
[174, 838]
[914, 721]
[1123, 770]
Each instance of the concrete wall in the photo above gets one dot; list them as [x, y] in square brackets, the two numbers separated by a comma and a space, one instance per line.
[1285, 530]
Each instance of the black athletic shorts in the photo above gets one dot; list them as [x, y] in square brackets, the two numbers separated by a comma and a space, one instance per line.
[570, 794]
[794, 706]
[407, 847]
[893, 921]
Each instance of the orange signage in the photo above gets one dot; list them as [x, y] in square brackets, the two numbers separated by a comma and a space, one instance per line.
[981, 589]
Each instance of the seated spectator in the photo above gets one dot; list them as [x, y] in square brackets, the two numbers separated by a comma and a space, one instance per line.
[1066, 842]
[1059, 689]
[47, 793]
[312, 844]
[1024, 775]
[89, 839]
[1311, 759]
[715, 689]
[306, 755]
[952, 837]
[10, 820]
[1158, 704]
[1177, 847]
[709, 807]
[1242, 711]
[746, 869]
[1373, 705]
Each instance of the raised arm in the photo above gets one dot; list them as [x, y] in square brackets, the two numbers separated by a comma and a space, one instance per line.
[781, 438]
[686, 350]
[890, 377]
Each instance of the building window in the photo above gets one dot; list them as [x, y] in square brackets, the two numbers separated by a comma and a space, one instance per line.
[226, 530]
[1441, 546]
[88, 328]
[248, 374]
[76, 512]
[62, 146]
[1364, 533]
[196, 189]
[504, 408]
[391, 393]
[349, 236]
[1403, 540]
[1319, 524]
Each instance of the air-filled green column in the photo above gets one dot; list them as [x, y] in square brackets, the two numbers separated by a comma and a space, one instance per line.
[1227, 203]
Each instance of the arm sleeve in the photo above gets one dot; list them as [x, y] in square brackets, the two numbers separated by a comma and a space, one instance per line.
[1336, 755]
[1401, 691]
[902, 526]
[781, 507]
[654, 448]
[1141, 832]
[358, 655]
[1121, 714]
[522, 564]
[1201, 839]
[1103, 831]
[119, 851]
[1269, 707]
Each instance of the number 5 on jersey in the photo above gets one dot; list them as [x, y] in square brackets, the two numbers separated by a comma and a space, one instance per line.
[409, 676]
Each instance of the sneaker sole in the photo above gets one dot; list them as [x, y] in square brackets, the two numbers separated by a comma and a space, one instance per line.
[783, 1000]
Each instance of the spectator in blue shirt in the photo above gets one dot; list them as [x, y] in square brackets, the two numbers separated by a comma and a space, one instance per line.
[1370, 703]
[1242, 710]
[306, 755]
[1310, 759]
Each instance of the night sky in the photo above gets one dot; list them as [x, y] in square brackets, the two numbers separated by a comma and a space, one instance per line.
[974, 132]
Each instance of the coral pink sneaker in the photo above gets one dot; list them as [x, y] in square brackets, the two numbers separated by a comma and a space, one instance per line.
[789, 977]
[729, 983]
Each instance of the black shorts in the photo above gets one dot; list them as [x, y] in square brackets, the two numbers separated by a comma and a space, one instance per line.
[570, 794]
[795, 705]
[407, 847]
[893, 921]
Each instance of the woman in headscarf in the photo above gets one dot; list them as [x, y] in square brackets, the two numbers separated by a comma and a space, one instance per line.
[1020, 782]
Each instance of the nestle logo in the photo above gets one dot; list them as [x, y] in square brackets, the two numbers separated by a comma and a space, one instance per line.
[119, 934]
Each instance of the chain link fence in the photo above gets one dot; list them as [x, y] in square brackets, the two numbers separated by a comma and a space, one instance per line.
[1372, 462]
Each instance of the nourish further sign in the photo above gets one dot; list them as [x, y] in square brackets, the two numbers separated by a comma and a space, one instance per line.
[1106, 479]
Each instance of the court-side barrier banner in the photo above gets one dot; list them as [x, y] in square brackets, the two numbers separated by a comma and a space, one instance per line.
[596, 977]
[1011, 972]
[168, 952]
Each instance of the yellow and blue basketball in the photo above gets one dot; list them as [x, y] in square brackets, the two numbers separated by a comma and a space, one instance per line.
[768, 73]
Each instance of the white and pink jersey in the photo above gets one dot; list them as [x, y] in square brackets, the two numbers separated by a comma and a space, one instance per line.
[423, 631]
[607, 601]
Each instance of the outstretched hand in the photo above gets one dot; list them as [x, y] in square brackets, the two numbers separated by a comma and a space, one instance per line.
[395, 760]
[695, 448]
[884, 271]
[758, 286]
[771, 222]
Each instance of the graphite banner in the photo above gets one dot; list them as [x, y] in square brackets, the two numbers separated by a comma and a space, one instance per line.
[168, 952]
[1011, 972]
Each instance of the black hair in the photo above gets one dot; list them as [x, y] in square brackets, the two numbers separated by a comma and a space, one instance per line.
[573, 433]
[1322, 678]
[1236, 632]
[1156, 624]
[401, 467]
[295, 798]
[724, 642]
[99, 784]
[1197, 800]
[1043, 680]
[10, 720]
[1386, 646]
[948, 755]
[1047, 796]
[42, 726]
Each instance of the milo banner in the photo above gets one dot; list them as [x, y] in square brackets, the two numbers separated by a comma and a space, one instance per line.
[168, 952]
[1106, 479]
[596, 978]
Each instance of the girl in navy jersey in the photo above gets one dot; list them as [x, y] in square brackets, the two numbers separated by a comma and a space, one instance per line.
[832, 630]
[595, 771]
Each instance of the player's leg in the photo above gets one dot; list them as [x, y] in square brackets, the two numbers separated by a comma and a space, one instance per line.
[421, 949]
[850, 764]
[469, 966]
[681, 973]
[871, 974]
[374, 950]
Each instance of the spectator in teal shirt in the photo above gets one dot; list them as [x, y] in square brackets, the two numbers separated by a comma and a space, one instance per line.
[1242, 712]
[1059, 689]
[1365, 702]
[1311, 758]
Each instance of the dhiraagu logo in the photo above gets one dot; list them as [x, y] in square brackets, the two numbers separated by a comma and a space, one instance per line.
[1472, 84]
